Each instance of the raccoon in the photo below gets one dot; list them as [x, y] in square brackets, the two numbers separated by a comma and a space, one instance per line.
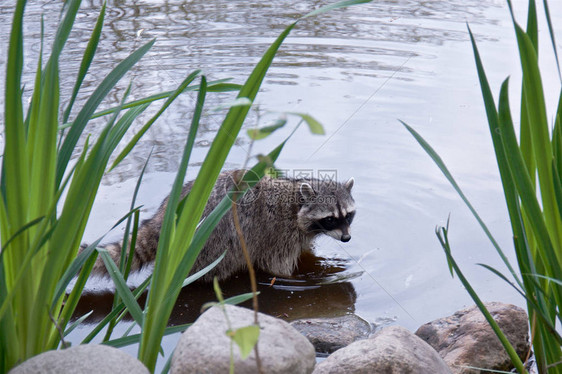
[279, 218]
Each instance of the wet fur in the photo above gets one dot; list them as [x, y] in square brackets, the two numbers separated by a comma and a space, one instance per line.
[275, 217]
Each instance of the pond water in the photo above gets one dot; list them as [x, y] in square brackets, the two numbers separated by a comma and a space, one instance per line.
[357, 71]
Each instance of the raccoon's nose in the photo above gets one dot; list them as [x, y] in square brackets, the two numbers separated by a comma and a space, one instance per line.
[345, 238]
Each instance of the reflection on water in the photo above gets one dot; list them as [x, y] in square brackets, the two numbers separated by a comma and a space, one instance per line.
[225, 39]
[319, 288]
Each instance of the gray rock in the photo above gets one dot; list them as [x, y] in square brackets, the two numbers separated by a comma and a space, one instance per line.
[205, 348]
[82, 359]
[392, 350]
[466, 339]
[330, 334]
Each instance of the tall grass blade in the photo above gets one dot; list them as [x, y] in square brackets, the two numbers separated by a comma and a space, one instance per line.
[33, 108]
[525, 125]
[239, 299]
[536, 307]
[145, 128]
[439, 162]
[71, 224]
[123, 125]
[87, 58]
[82, 257]
[127, 249]
[442, 235]
[526, 190]
[539, 133]
[557, 186]
[115, 312]
[23, 271]
[92, 103]
[14, 162]
[174, 198]
[77, 323]
[73, 269]
[557, 135]
[125, 266]
[134, 339]
[339, 4]
[192, 278]
[20, 231]
[220, 85]
[63, 31]
[156, 319]
[72, 300]
[510, 194]
[550, 279]
[532, 25]
[552, 38]
[121, 287]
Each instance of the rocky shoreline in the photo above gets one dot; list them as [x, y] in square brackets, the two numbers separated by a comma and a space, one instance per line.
[462, 343]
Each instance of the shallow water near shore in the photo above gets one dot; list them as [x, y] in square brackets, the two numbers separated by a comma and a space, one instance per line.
[357, 71]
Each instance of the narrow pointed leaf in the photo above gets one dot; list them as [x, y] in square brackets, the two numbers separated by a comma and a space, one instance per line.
[87, 58]
[314, 126]
[92, 103]
[145, 128]
[439, 162]
[121, 287]
[263, 132]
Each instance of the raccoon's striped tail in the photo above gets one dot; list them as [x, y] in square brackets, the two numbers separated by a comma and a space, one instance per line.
[144, 253]
[114, 250]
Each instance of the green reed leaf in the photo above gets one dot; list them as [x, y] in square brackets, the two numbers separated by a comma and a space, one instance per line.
[87, 58]
[121, 287]
[77, 323]
[135, 338]
[264, 132]
[439, 162]
[442, 234]
[92, 103]
[339, 4]
[150, 122]
[314, 126]
[552, 37]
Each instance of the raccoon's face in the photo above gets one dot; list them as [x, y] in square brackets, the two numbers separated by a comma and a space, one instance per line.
[328, 208]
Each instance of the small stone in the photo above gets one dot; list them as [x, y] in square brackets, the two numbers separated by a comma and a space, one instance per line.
[330, 334]
[466, 339]
[205, 348]
[82, 359]
[392, 350]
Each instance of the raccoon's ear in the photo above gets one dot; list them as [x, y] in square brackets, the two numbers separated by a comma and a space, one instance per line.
[349, 184]
[307, 191]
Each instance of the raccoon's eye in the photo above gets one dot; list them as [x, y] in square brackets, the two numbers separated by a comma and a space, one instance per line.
[328, 223]
[349, 217]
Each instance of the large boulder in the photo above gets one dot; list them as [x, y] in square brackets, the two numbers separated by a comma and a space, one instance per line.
[466, 339]
[392, 350]
[330, 334]
[205, 347]
[82, 359]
